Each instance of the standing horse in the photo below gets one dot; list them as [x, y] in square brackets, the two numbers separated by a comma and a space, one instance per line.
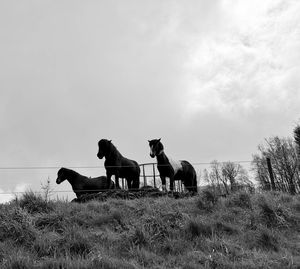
[174, 170]
[117, 165]
[82, 184]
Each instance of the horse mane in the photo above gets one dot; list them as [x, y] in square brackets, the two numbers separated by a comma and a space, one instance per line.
[114, 151]
[72, 173]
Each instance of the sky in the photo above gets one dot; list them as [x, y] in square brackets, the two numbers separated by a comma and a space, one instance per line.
[212, 79]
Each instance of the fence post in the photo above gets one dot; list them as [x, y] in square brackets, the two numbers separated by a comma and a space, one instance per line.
[144, 175]
[273, 187]
[153, 167]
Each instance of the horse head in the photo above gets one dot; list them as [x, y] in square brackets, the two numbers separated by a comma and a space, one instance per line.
[104, 146]
[156, 147]
[62, 175]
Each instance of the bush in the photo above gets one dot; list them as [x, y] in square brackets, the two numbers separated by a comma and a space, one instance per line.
[207, 200]
[35, 203]
[240, 199]
[267, 214]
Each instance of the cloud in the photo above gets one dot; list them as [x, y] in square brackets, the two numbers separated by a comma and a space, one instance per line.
[75, 72]
[5, 197]
[8, 195]
[249, 64]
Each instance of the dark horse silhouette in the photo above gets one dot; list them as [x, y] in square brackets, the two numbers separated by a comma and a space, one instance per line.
[82, 184]
[117, 165]
[174, 170]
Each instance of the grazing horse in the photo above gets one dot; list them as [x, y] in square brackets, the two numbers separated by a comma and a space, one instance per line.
[174, 170]
[117, 165]
[82, 184]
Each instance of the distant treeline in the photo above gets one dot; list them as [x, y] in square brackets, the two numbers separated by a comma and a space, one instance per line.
[276, 167]
[284, 156]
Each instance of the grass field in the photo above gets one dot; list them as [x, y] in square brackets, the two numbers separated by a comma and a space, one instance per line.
[240, 231]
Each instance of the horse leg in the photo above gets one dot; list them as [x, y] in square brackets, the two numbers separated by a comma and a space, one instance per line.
[171, 183]
[135, 183]
[108, 176]
[163, 182]
[128, 183]
[117, 181]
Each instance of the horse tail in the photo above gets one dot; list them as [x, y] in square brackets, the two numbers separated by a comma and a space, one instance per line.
[136, 179]
[195, 187]
[190, 177]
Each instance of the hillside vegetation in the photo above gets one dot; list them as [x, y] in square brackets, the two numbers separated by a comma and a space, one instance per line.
[240, 231]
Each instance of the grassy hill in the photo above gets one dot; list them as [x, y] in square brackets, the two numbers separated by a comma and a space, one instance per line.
[240, 231]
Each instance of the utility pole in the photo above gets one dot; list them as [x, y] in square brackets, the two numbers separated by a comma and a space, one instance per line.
[273, 187]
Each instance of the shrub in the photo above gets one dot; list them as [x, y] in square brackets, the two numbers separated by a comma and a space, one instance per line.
[267, 214]
[240, 199]
[35, 203]
[207, 200]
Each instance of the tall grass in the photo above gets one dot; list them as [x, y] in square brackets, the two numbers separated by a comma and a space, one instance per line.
[205, 231]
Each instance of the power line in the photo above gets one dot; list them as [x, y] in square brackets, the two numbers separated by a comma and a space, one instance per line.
[45, 167]
[97, 167]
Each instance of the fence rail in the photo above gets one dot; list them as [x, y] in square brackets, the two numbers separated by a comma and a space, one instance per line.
[149, 175]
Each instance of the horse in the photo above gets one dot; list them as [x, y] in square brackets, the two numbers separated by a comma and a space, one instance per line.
[82, 184]
[174, 170]
[119, 166]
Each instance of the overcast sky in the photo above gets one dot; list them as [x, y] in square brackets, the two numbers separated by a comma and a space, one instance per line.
[211, 78]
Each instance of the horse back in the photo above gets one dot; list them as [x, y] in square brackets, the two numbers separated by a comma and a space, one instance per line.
[129, 168]
[97, 183]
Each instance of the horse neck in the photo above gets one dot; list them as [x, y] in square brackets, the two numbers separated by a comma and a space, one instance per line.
[72, 176]
[162, 158]
[113, 153]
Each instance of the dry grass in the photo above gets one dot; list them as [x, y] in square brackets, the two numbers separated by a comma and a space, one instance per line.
[205, 231]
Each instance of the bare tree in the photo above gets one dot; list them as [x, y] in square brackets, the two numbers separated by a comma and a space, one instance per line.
[297, 141]
[283, 155]
[227, 176]
[47, 189]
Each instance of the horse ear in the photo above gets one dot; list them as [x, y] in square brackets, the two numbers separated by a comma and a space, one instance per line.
[159, 140]
[109, 141]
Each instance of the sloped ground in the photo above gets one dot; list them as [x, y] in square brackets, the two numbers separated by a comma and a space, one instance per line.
[204, 231]
[144, 192]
